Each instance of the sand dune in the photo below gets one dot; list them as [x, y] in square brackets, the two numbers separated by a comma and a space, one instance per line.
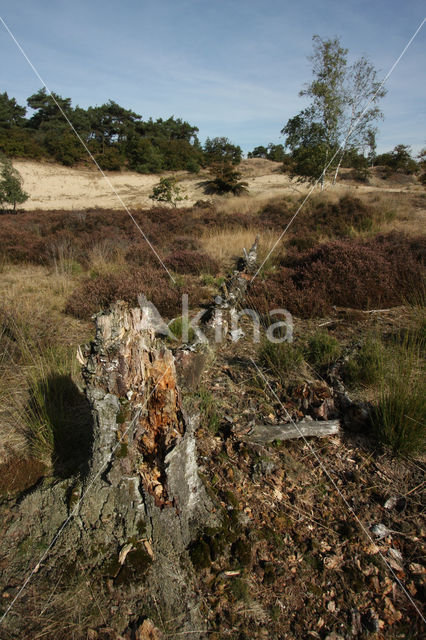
[53, 186]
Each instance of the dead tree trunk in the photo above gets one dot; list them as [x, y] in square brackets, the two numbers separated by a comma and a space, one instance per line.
[142, 497]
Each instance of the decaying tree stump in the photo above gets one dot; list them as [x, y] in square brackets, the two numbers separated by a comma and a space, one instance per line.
[142, 492]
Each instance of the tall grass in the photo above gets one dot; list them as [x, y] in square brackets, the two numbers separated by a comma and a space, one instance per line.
[55, 413]
[368, 366]
[41, 399]
[399, 415]
[227, 244]
[282, 359]
[322, 349]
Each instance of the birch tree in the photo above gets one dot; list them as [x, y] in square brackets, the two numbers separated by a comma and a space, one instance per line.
[341, 114]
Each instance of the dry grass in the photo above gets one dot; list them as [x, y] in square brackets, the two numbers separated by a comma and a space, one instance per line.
[107, 257]
[32, 326]
[408, 209]
[249, 204]
[227, 244]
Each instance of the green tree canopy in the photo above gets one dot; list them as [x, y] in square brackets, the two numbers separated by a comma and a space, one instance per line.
[11, 191]
[342, 111]
[11, 113]
[115, 135]
[221, 149]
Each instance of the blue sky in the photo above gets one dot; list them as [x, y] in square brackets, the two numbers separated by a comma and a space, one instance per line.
[230, 67]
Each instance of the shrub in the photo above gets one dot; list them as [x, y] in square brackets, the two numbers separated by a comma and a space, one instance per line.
[11, 191]
[194, 262]
[168, 191]
[322, 349]
[95, 294]
[185, 243]
[323, 218]
[382, 271]
[226, 180]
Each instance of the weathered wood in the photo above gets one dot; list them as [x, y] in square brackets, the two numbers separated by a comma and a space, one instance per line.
[141, 494]
[264, 433]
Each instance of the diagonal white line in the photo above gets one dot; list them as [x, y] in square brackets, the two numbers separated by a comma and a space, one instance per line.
[108, 181]
[77, 506]
[329, 476]
[342, 147]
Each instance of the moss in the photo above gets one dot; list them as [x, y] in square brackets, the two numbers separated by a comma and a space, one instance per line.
[32, 545]
[314, 562]
[283, 523]
[110, 568]
[239, 589]
[271, 536]
[275, 612]
[141, 527]
[122, 450]
[231, 499]
[241, 551]
[269, 575]
[199, 553]
[347, 530]
[135, 567]
[356, 578]
[121, 416]
[315, 589]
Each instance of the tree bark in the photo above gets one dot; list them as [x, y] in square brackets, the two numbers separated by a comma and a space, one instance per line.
[141, 496]
[264, 433]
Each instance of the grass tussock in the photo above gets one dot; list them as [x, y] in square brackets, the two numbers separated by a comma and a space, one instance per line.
[46, 422]
[181, 329]
[367, 366]
[398, 417]
[283, 360]
[54, 412]
[208, 408]
[322, 349]
[391, 370]
[43, 399]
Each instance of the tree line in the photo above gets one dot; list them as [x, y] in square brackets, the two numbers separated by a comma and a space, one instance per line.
[116, 136]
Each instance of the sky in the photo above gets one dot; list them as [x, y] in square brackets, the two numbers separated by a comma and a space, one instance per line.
[233, 68]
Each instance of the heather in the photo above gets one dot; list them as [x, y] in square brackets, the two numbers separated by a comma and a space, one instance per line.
[383, 271]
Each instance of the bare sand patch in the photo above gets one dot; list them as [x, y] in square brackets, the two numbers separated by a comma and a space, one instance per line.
[53, 186]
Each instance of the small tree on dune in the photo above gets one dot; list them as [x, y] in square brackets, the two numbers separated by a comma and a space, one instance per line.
[168, 190]
[11, 191]
[226, 180]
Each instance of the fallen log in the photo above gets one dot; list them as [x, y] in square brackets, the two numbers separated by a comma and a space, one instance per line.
[264, 433]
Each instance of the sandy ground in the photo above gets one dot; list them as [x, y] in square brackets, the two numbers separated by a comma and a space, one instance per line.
[53, 186]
